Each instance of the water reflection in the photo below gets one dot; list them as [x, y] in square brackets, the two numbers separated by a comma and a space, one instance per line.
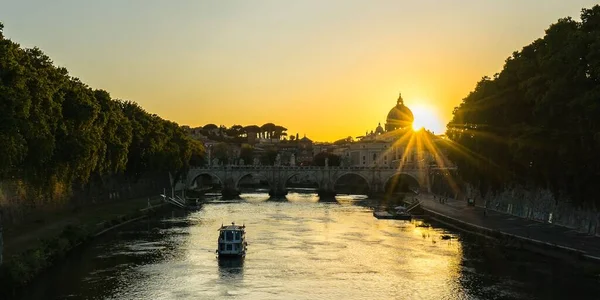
[231, 268]
[301, 248]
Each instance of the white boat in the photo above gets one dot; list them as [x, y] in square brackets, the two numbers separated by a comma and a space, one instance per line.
[232, 241]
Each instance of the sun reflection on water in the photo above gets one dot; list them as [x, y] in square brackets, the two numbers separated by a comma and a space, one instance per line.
[299, 248]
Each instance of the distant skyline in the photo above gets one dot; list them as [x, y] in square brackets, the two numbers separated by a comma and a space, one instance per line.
[327, 69]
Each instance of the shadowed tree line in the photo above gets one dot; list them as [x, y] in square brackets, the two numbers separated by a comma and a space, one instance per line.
[537, 122]
[333, 160]
[56, 132]
[242, 134]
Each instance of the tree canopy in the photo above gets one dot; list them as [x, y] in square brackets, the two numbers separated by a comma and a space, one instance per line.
[537, 122]
[54, 128]
[332, 159]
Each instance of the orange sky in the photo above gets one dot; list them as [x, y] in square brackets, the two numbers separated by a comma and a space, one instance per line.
[329, 69]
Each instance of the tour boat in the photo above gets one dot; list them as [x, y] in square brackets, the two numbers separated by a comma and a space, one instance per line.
[232, 241]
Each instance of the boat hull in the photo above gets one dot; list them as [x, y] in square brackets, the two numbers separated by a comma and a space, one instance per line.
[389, 216]
[231, 256]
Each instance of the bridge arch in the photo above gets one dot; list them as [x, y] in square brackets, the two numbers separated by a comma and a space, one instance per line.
[210, 174]
[401, 181]
[252, 174]
[349, 174]
[311, 175]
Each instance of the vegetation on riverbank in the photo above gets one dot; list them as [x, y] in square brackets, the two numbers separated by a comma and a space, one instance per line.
[57, 133]
[536, 122]
[47, 244]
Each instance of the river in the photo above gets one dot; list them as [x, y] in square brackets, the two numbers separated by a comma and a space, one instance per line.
[301, 248]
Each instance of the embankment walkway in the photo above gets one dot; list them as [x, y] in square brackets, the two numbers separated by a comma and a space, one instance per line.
[497, 224]
[28, 235]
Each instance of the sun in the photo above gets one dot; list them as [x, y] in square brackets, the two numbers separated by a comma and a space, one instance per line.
[424, 117]
[416, 126]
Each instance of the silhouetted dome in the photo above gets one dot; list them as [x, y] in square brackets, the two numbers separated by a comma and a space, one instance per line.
[379, 129]
[399, 116]
[305, 139]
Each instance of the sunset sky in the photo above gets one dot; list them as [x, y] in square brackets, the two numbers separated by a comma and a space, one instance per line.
[327, 69]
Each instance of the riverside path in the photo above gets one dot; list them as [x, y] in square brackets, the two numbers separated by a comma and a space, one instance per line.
[525, 232]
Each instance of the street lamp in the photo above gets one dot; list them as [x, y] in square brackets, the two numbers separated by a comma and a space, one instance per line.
[209, 154]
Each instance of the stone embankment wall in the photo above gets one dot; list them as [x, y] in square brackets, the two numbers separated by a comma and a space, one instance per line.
[20, 202]
[541, 205]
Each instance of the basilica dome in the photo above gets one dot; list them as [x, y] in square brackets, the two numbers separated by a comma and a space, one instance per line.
[399, 116]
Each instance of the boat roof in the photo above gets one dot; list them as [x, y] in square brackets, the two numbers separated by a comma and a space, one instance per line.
[232, 227]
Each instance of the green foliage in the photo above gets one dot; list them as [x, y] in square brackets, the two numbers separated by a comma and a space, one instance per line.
[54, 129]
[247, 154]
[269, 157]
[272, 131]
[536, 122]
[333, 160]
[197, 154]
[235, 131]
[222, 152]
[20, 269]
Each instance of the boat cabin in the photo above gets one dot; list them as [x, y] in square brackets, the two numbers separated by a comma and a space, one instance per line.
[232, 240]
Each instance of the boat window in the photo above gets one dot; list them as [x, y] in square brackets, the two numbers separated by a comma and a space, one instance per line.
[229, 236]
[237, 235]
[229, 247]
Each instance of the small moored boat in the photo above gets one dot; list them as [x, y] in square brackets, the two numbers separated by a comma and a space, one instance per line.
[232, 241]
[399, 214]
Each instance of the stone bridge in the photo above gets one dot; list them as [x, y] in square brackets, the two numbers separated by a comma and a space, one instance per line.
[376, 178]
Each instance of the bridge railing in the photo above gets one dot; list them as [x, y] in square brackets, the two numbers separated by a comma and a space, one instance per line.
[410, 166]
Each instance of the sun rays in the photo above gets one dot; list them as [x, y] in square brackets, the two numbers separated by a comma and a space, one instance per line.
[424, 117]
[420, 151]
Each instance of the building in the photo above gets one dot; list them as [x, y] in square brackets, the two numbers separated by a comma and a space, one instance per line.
[384, 147]
[399, 117]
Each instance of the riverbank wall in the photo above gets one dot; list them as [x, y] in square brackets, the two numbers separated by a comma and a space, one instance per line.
[543, 206]
[584, 259]
[22, 266]
[23, 202]
[529, 202]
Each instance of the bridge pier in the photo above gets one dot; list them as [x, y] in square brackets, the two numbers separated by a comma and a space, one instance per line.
[229, 190]
[229, 193]
[326, 194]
[278, 189]
[277, 192]
[377, 189]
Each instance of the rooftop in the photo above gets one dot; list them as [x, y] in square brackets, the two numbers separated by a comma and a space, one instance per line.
[232, 227]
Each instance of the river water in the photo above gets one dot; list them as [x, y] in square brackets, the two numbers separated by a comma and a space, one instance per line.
[301, 248]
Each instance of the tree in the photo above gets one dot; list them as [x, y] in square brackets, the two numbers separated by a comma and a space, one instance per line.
[235, 131]
[535, 122]
[210, 127]
[269, 157]
[267, 130]
[247, 154]
[252, 130]
[198, 153]
[56, 132]
[279, 131]
[333, 160]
